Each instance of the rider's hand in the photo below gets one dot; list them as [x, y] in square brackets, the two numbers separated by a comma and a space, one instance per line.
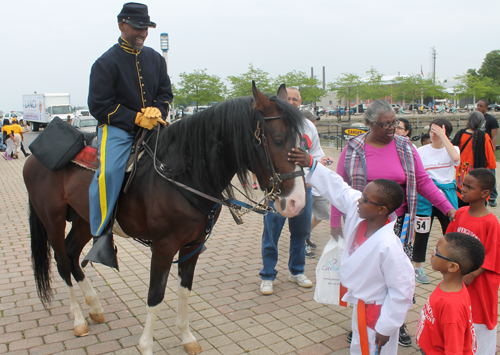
[151, 112]
[149, 118]
[300, 157]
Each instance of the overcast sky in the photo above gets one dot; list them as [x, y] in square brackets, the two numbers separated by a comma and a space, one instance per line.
[50, 45]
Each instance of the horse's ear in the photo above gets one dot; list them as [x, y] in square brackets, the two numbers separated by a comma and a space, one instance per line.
[282, 94]
[261, 100]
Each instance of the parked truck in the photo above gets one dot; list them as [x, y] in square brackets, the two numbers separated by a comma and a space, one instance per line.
[40, 109]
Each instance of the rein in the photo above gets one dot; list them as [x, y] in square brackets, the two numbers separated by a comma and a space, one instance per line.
[235, 207]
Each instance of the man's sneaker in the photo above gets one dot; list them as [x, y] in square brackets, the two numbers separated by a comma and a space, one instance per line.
[301, 280]
[266, 287]
[492, 203]
[309, 253]
[311, 243]
[404, 338]
[5, 155]
[349, 337]
[421, 277]
[254, 185]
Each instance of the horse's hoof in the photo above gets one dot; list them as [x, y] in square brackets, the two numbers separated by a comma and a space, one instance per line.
[81, 330]
[97, 318]
[193, 348]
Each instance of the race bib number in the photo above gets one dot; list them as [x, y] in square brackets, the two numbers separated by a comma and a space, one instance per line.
[422, 224]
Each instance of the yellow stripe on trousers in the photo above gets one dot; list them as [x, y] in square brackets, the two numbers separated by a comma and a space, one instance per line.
[102, 176]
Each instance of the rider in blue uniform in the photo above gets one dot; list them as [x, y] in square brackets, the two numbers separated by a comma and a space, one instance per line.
[129, 88]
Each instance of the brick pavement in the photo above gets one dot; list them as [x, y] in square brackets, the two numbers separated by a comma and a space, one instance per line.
[228, 314]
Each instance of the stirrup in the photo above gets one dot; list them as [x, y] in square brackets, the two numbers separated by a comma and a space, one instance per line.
[104, 250]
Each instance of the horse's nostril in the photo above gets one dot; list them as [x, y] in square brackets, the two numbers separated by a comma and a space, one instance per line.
[283, 203]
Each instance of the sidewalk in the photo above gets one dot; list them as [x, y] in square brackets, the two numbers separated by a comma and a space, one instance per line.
[228, 314]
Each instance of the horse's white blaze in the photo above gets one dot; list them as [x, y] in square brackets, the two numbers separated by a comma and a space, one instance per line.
[146, 341]
[75, 308]
[90, 297]
[294, 202]
[182, 315]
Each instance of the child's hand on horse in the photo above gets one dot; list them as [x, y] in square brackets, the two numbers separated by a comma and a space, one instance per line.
[300, 157]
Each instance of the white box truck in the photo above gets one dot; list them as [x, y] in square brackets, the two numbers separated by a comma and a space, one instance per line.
[40, 109]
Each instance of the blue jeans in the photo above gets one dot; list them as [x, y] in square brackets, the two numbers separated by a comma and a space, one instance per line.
[300, 228]
[494, 192]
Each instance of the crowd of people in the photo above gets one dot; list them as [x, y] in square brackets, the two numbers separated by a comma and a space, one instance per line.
[12, 139]
[388, 191]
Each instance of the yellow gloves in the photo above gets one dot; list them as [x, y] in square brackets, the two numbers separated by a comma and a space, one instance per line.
[149, 117]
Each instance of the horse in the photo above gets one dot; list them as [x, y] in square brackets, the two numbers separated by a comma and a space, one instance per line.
[203, 151]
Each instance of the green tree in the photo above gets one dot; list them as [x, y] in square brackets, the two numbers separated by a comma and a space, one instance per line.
[347, 85]
[179, 99]
[470, 85]
[241, 85]
[491, 66]
[200, 87]
[373, 89]
[310, 88]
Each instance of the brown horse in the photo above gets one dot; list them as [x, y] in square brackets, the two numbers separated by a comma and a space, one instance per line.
[203, 151]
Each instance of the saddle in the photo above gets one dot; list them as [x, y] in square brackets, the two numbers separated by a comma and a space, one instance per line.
[88, 157]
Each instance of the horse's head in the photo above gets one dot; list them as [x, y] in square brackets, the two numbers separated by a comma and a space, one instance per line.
[277, 133]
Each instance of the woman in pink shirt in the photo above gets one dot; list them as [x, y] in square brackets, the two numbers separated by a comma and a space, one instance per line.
[381, 154]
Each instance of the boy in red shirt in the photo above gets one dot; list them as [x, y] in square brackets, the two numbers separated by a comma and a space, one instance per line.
[482, 284]
[445, 324]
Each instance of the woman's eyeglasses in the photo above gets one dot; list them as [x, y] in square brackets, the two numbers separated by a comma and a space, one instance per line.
[445, 258]
[394, 124]
[365, 200]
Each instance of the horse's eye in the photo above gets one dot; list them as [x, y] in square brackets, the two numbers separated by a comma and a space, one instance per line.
[279, 143]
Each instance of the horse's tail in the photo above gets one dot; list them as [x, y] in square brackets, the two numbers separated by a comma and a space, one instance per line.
[40, 257]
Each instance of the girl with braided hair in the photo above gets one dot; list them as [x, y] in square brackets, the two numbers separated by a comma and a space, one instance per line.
[476, 150]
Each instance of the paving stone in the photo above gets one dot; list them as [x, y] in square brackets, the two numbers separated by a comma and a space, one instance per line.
[227, 313]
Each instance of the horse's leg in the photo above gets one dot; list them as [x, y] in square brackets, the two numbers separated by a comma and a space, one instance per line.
[75, 242]
[64, 267]
[186, 273]
[161, 261]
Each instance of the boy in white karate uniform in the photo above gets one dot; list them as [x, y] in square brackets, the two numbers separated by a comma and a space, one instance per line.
[374, 268]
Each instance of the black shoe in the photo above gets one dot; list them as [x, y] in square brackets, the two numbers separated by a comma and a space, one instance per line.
[311, 243]
[309, 254]
[404, 338]
[493, 203]
[104, 250]
[349, 336]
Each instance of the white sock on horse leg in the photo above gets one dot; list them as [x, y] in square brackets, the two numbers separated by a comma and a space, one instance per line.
[182, 314]
[96, 311]
[146, 341]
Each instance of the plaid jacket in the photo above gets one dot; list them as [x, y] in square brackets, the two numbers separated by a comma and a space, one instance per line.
[355, 167]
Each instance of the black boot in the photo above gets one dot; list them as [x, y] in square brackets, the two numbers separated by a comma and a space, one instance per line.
[104, 250]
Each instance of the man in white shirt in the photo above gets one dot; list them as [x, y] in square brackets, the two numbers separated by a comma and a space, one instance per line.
[300, 225]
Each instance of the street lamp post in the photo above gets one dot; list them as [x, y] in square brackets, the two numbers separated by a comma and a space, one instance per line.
[164, 47]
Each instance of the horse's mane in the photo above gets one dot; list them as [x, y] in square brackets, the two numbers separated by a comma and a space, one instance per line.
[202, 149]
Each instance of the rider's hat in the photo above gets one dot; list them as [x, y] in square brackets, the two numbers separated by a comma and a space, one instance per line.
[136, 15]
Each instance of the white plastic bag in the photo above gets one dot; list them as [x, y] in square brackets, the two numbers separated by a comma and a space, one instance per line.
[328, 287]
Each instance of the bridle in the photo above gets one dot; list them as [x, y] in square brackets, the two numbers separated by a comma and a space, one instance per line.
[275, 179]
[237, 208]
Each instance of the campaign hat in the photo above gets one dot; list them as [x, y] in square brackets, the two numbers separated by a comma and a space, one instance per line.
[136, 15]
